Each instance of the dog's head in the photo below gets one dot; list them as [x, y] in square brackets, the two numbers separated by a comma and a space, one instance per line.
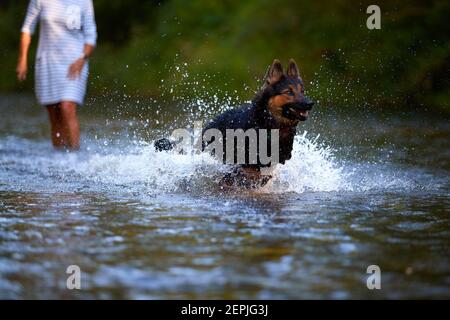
[285, 94]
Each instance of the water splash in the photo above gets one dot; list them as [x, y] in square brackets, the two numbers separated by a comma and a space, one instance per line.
[139, 169]
[312, 167]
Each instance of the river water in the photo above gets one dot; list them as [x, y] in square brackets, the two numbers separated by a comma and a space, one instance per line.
[363, 188]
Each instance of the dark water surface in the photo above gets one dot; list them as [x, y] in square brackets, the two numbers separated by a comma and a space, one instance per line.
[371, 189]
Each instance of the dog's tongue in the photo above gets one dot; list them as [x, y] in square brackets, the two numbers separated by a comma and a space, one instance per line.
[303, 113]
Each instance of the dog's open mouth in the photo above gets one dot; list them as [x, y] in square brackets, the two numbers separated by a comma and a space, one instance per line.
[301, 114]
[294, 112]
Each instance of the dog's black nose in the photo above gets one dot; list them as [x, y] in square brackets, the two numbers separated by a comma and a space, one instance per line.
[307, 103]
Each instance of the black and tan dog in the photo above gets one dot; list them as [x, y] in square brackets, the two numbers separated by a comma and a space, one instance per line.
[280, 104]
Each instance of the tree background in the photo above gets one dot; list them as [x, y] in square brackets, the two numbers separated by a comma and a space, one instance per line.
[145, 47]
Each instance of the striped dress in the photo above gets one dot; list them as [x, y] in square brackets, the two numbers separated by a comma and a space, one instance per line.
[65, 27]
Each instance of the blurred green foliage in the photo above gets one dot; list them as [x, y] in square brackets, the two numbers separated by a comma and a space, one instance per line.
[227, 45]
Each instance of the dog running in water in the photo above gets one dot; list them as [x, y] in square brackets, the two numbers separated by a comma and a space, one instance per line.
[280, 104]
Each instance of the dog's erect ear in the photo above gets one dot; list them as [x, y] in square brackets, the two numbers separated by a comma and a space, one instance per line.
[275, 72]
[292, 70]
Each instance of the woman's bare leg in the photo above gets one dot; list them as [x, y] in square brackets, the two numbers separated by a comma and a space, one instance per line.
[54, 113]
[70, 125]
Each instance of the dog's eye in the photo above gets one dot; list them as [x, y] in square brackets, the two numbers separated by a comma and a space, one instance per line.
[289, 92]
